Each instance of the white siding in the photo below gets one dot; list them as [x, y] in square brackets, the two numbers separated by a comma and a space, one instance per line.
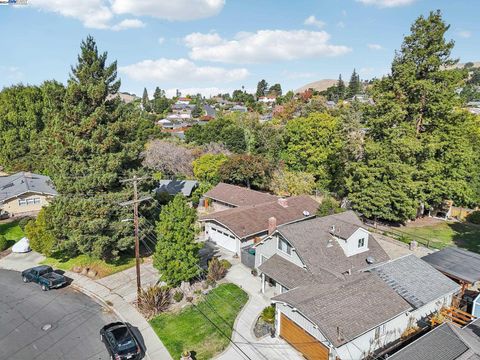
[269, 248]
[222, 237]
[350, 246]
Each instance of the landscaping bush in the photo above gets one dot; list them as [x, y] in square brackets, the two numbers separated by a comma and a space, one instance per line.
[178, 296]
[154, 300]
[23, 222]
[41, 239]
[474, 217]
[268, 314]
[226, 264]
[216, 270]
[3, 243]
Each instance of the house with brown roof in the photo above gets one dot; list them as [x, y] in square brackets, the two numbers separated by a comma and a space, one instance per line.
[240, 227]
[337, 293]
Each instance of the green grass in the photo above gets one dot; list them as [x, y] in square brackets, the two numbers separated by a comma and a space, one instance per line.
[12, 232]
[189, 330]
[102, 267]
[444, 234]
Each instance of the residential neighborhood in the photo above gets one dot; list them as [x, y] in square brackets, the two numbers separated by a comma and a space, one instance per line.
[211, 179]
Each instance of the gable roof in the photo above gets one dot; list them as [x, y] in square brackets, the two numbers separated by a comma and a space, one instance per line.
[415, 280]
[174, 187]
[290, 274]
[352, 307]
[445, 342]
[457, 263]
[314, 244]
[238, 195]
[246, 221]
[23, 182]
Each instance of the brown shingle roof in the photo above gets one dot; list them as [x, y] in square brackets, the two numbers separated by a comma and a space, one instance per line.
[251, 220]
[238, 196]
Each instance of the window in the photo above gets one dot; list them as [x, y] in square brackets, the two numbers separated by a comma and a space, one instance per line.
[22, 202]
[361, 242]
[284, 246]
[283, 289]
[36, 201]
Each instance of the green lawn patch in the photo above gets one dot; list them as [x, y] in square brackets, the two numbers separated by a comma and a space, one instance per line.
[189, 330]
[102, 267]
[12, 232]
[444, 234]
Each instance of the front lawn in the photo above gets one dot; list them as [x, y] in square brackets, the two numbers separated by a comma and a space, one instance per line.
[102, 267]
[190, 330]
[445, 233]
[12, 232]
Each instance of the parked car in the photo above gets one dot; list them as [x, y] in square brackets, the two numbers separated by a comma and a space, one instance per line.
[44, 276]
[120, 342]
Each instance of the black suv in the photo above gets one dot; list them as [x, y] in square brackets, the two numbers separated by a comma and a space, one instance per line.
[120, 342]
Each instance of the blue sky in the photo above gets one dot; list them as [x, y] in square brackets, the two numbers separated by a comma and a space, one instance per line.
[210, 46]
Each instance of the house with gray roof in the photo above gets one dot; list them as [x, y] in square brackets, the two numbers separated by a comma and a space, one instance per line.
[336, 290]
[25, 193]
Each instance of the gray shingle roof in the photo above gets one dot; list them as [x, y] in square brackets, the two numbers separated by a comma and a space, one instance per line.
[286, 272]
[238, 195]
[174, 187]
[415, 280]
[353, 307]
[457, 263]
[23, 182]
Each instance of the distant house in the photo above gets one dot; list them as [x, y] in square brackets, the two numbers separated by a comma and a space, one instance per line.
[337, 296]
[239, 108]
[267, 99]
[183, 100]
[25, 193]
[174, 187]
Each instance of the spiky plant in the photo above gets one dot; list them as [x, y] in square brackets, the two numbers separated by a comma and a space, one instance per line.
[154, 300]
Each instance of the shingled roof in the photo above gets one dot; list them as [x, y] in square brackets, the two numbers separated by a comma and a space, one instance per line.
[246, 221]
[22, 183]
[238, 195]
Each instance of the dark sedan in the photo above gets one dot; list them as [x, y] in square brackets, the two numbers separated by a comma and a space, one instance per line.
[120, 342]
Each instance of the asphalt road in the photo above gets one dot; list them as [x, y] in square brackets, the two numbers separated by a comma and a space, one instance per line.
[51, 325]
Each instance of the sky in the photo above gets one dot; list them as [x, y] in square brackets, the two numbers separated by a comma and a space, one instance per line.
[216, 46]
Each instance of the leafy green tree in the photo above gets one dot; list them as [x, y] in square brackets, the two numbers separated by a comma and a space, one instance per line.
[262, 88]
[329, 206]
[41, 238]
[160, 102]
[354, 85]
[3, 243]
[341, 90]
[290, 183]
[206, 167]
[146, 101]
[246, 169]
[197, 111]
[176, 253]
[275, 90]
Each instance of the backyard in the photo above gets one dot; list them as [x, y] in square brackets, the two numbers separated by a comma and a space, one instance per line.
[439, 234]
[189, 330]
[11, 231]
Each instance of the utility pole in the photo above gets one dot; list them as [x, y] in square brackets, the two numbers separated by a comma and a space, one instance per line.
[135, 203]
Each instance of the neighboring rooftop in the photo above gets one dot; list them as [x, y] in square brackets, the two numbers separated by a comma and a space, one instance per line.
[24, 182]
[345, 310]
[173, 187]
[415, 280]
[238, 195]
[457, 263]
[247, 221]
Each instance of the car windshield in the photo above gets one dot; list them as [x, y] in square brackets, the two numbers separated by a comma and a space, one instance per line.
[124, 340]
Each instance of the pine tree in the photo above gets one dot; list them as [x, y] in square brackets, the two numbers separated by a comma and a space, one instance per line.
[262, 87]
[354, 85]
[146, 101]
[176, 253]
[341, 90]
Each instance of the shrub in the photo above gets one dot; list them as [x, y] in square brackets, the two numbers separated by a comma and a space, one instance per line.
[154, 300]
[268, 314]
[329, 206]
[226, 264]
[3, 243]
[23, 222]
[474, 217]
[178, 296]
[216, 270]
[40, 237]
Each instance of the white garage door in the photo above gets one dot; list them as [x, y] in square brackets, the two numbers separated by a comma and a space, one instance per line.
[222, 238]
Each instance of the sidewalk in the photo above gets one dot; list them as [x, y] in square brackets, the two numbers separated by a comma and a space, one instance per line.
[114, 292]
[266, 348]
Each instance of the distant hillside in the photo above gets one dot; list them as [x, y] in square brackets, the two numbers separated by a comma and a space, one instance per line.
[320, 85]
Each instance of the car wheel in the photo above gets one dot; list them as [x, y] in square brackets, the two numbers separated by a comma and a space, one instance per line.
[25, 280]
[44, 288]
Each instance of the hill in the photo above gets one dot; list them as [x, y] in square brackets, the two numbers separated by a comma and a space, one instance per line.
[320, 85]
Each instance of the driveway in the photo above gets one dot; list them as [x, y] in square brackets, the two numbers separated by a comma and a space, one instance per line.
[57, 324]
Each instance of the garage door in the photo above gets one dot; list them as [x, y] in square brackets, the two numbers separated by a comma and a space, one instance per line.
[222, 239]
[305, 343]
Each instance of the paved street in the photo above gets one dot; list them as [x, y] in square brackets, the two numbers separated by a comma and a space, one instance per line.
[71, 321]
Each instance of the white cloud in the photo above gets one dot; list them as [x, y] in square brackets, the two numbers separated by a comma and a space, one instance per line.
[262, 46]
[465, 34]
[312, 20]
[375, 46]
[128, 24]
[387, 3]
[169, 9]
[99, 14]
[181, 71]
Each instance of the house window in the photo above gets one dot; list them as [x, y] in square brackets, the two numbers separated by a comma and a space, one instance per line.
[284, 246]
[361, 242]
[22, 202]
[36, 201]
[283, 289]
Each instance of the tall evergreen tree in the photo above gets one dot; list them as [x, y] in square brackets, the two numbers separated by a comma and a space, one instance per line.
[354, 85]
[146, 101]
[262, 88]
[341, 89]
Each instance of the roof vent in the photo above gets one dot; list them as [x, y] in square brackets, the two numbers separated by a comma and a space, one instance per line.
[370, 260]
[332, 229]
[306, 213]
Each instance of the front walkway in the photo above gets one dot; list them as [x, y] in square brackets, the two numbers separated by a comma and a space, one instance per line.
[114, 292]
[266, 348]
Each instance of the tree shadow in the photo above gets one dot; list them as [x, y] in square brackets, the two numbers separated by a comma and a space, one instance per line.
[206, 253]
[466, 236]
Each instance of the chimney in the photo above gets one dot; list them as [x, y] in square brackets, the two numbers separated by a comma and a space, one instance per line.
[283, 202]
[272, 225]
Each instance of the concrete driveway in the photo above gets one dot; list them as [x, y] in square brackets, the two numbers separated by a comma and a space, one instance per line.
[56, 324]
